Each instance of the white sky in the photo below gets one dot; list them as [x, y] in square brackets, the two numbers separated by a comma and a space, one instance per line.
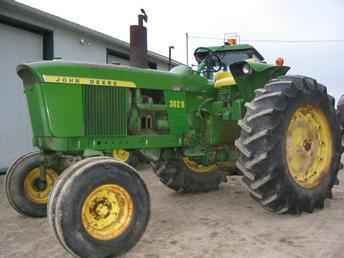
[259, 20]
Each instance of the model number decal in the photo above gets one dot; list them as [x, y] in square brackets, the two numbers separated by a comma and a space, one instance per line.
[87, 81]
[176, 104]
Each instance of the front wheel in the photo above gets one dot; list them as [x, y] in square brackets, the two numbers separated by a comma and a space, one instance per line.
[99, 208]
[26, 192]
[290, 145]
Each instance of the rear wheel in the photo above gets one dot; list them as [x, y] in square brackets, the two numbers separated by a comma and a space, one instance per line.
[289, 145]
[26, 192]
[99, 208]
[188, 176]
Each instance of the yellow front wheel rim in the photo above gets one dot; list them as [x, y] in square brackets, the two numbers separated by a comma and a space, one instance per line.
[309, 146]
[121, 155]
[107, 212]
[35, 189]
[197, 167]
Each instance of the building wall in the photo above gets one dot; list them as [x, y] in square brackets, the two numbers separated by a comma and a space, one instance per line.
[112, 59]
[162, 66]
[68, 45]
[16, 46]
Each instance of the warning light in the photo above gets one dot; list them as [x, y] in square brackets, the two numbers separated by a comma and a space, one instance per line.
[231, 41]
[279, 61]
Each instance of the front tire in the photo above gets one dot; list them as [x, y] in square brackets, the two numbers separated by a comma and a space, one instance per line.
[290, 145]
[25, 192]
[99, 208]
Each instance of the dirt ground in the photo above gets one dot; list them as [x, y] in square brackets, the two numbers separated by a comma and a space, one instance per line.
[226, 223]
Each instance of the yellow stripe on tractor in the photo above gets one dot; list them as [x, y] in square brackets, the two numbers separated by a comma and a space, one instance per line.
[88, 81]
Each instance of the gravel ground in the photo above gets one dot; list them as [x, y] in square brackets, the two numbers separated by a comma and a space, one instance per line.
[225, 223]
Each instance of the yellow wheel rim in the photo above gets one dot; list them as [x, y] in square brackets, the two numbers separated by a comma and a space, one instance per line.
[107, 212]
[309, 146]
[199, 168]
[121, 155]
[36, 190]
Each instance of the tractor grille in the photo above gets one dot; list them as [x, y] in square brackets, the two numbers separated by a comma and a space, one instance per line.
[105, 110]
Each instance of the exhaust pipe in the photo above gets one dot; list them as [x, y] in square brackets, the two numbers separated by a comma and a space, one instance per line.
[138, 42]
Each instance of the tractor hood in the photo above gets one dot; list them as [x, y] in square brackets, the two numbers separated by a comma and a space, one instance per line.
[180, 78]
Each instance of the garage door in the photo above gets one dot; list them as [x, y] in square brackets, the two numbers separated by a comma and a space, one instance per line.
[16, 46]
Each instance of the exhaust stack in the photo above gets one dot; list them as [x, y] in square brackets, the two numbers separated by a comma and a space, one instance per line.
[138, 42]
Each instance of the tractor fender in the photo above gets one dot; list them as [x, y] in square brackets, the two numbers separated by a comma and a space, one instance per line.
[250, 76]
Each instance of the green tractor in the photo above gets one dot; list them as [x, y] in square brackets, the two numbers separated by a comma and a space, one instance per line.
[235, 115]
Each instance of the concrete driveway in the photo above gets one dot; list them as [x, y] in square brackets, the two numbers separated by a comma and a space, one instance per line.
[226, 223]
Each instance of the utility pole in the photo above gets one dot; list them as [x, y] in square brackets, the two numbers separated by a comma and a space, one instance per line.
[169, 57]
[187, 47]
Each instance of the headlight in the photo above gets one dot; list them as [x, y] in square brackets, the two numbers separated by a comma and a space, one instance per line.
[246, 69]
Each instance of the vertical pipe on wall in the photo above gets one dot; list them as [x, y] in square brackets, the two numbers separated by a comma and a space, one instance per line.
[170, 57]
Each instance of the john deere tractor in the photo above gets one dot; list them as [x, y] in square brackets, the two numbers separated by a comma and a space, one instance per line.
[235, 114]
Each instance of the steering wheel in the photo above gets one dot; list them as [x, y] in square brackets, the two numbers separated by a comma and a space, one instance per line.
[211, 62]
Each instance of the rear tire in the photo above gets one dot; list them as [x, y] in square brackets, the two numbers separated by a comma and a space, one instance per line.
[273, 177]
[24, 190]
[176, 175]
[82, 208]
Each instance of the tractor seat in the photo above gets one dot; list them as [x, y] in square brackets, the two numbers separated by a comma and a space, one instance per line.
[223, 79]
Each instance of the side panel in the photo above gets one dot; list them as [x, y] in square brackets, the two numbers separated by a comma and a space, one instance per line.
[176, 110]
[37, 111]
[64, 109]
